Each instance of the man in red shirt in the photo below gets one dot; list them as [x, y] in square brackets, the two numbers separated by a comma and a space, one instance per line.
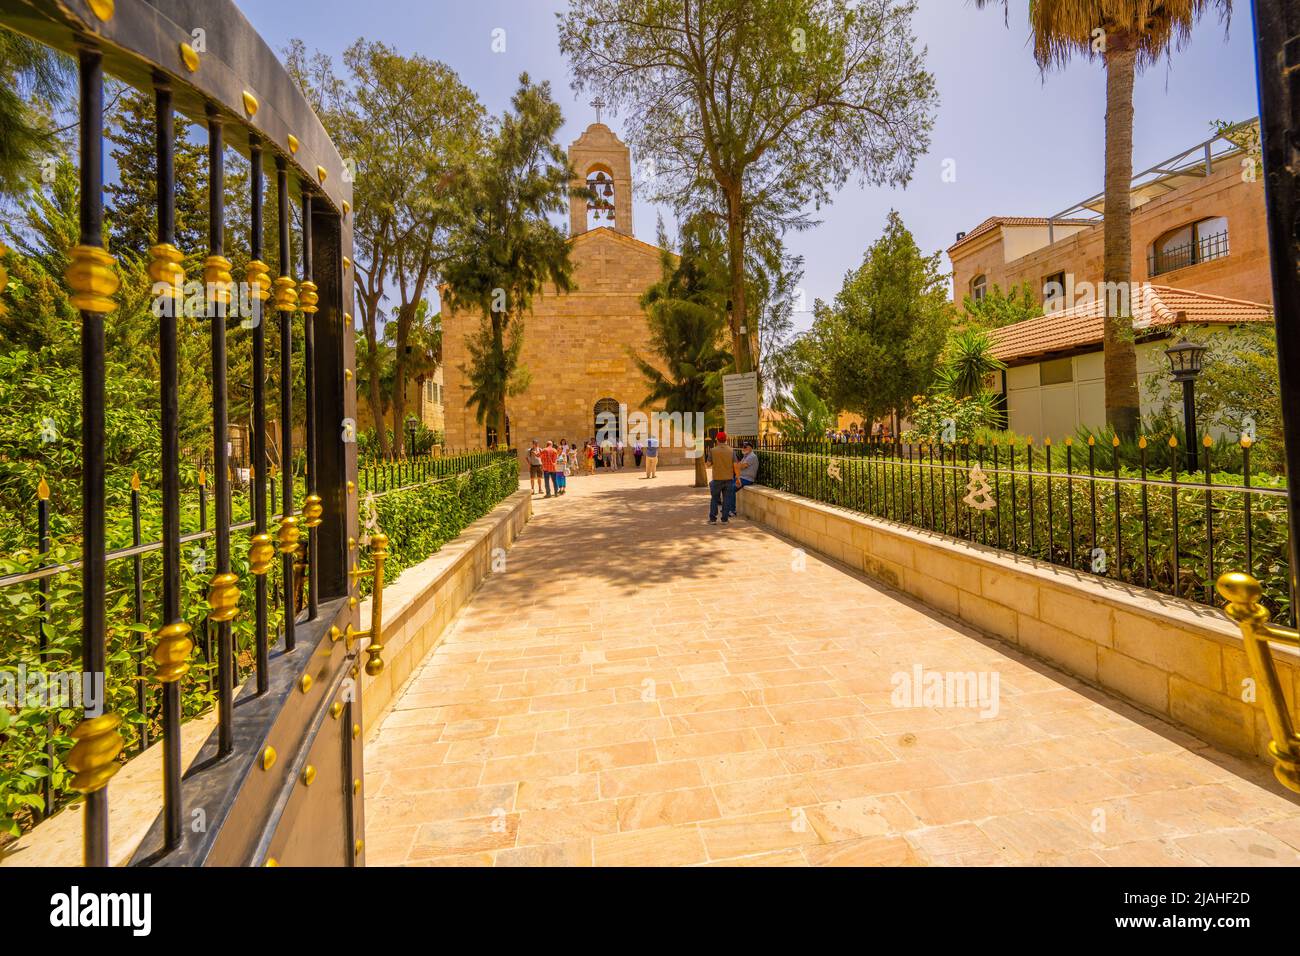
[548, 455]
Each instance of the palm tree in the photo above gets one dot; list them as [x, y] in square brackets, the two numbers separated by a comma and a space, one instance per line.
[810, 417]
[1129, 35]
[967, 363]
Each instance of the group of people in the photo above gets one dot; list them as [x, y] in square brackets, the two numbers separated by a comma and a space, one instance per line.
[551, 465]
[856, 433]
[730, 472]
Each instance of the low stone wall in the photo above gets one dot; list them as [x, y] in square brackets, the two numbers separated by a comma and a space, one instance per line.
[420, 603]
[1180, 660]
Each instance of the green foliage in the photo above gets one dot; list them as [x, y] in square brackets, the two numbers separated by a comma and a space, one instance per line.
[506, 249]
[999, 308]
[34, 81]
[878, 345]
[966, 363]
[944, 417]
[810, 418]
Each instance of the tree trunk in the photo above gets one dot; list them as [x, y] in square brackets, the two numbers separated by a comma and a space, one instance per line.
[740, 349]
[701, 473]
[404, 314]
[1123, 408]
[374, 396]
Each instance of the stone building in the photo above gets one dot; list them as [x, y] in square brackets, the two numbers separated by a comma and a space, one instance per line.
[576, 344]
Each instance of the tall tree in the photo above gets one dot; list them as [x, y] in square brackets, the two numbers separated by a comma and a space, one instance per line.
[686, 319]
[878, 344]
[1128, 36]
[411, 131]
[506, 249]
[757, 106]
[34, 81]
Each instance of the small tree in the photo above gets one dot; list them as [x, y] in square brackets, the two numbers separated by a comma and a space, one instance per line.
[809, 417]
[999, 308]
[967, 362]
[686, 318]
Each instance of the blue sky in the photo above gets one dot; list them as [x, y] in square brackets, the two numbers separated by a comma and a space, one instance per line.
[1023, 144]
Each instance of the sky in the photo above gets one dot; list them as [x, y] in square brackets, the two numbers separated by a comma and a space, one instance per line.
[1017, 143]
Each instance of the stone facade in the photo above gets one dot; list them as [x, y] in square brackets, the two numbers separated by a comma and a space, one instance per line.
[1011, 254]
[576, 345]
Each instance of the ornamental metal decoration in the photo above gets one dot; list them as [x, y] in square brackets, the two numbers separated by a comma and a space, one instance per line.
[978, 491]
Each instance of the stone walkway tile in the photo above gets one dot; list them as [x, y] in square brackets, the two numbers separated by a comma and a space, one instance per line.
[667, 708]
[870, 851]
[665, 846]
[757, 833]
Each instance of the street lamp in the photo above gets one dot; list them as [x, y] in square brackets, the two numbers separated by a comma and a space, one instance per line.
[1185, 363]
[411, 425]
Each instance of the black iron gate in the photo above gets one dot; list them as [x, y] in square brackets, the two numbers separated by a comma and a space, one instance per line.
[279, 781]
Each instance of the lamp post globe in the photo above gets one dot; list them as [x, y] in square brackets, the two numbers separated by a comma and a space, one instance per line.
[1185, 364]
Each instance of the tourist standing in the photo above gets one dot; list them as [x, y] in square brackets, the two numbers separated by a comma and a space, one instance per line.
[620, 449]
[561, 467]
[636, 453]
[549, 454]
[590, 458]
[606, 452]
[535, 468]
[722, 487]
[651, 456]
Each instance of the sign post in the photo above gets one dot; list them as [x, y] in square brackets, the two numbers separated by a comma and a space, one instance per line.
[740, 400]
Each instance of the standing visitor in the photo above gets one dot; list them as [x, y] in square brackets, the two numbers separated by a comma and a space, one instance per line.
[636, 453]
[619, 451]
[722, 487]
[549, 454]
[561, 466]
[651, 456]
[534, 468]
[590, 459]
[606, 452]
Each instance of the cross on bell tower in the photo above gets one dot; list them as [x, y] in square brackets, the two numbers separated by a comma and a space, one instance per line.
[599, 104]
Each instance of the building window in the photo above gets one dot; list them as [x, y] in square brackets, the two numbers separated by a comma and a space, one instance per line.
[979, 287]
[1056, 372]
[600, 200]
[1196, 242]
[607, 420]
[1054, 289]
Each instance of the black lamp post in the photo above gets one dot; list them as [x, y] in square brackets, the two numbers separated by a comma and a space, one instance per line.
[1185, 363]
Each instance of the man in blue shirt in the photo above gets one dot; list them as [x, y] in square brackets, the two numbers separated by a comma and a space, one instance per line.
[651, 456]
[746, 468]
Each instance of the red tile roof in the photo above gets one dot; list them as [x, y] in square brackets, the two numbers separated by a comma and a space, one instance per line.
[994, 222]
[1153, 306]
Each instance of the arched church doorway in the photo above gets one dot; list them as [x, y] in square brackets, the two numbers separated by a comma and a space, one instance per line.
[607, 423]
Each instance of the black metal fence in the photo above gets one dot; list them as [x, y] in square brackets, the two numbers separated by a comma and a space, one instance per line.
[1202, 249]
[1071, 504]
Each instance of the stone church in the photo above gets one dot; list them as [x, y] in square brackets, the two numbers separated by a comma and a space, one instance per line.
[575, 344]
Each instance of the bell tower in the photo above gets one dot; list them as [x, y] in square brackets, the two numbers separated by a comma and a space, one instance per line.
[604, 163]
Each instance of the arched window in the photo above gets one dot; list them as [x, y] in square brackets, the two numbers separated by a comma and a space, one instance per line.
[1199, 241]
[600, 204]
[607, 420]
[979, 287]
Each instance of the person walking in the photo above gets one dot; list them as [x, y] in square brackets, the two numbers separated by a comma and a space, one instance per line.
[746, 469]
[549, 454]
[534, 468]
[651, 456]
[722, 487]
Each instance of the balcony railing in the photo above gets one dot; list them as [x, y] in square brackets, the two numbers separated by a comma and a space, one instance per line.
[1203, 249]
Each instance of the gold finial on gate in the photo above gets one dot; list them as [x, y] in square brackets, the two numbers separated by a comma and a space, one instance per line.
[250, 104]
[347, 263]
[93, 758]
[101, 8]
[312, 510]
[1243, 594]
[289, 535]
[307, 297]
[308, 775]
[190, 57]
[378, 552]
[293, 145]
[171, 653]
[321, 174]
[135, 481]
[166, 271]
[217, 279]
[43, 490]
[91, 278]
[268, 757]
[203, 477]
[347, 208]
[261, 552]
[258, 275]
[286, 295]
[223, 596]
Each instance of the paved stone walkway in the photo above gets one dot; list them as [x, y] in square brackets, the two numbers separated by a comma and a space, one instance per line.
[638, 687]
